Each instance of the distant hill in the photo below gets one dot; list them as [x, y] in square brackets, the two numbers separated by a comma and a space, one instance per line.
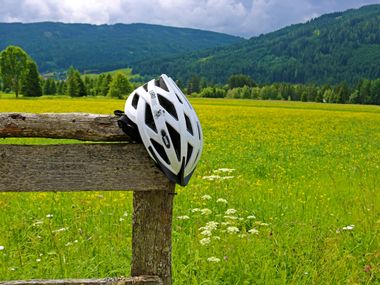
[336, 47]
[56, 46]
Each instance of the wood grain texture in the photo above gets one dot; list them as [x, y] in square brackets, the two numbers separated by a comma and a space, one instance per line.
[79, 167]
[137, 280]
[151, 234]
[81, 126]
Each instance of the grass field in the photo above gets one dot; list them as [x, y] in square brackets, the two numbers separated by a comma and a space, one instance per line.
[285, 193]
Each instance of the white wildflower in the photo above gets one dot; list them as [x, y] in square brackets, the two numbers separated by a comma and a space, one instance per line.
[348, 228]
[206, 211]
[226, 177]
[195, 210]
[183, 217]
[49, 216]
[230, 211]
[125, 214]
[213, 259]
[68, 244]
[60, 230]
[205, 241]
[206, 197]
[216, 237]
[253, 231]
[225, 223]
[206, 233]
[2, 247]
[230, 217]
[211, 225]
[38, 260]
[232, 230]
[121, 219]
[228, 170]
[37, 223]
[211, 177]
[251, 217]
[221, 200]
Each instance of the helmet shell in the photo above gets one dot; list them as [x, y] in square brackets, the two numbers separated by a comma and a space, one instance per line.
[168, 127]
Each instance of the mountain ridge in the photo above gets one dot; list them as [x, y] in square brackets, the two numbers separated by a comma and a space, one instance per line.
[56, 46]
[335, 47]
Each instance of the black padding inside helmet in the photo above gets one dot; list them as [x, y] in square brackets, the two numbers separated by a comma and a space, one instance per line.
[160, 150]
[129, 127]
[149, 121]
[188, 125]
[168, 106]
[145, 86]
[176, 140]
[135, 100]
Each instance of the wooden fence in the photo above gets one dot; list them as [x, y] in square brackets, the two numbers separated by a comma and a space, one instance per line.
[120, 165]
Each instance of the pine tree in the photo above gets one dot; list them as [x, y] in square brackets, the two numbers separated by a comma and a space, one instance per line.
[31, 82]
[119, 86]
[75, 85]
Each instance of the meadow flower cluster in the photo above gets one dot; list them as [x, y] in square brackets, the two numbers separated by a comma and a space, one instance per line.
[220, 224]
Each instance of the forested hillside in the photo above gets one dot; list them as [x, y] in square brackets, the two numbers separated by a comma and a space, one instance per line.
[57, 46]
[336, 47]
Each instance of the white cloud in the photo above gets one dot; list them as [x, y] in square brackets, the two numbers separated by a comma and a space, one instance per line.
[240, 17]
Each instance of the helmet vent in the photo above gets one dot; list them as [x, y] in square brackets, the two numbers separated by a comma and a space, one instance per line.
[189, 152]
[149, 118]
[145, 86]
[160, 150]
[135, 100]
[168, 106]
[199, 131]
[188, 125]
[161, 83]
[176, 140]
[179, 99]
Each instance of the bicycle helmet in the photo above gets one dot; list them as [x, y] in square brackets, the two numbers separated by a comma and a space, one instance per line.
[160, 115]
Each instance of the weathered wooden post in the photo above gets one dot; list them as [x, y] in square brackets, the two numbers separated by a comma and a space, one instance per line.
[117, 166]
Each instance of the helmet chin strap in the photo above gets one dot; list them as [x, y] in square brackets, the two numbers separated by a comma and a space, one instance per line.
[127, 126]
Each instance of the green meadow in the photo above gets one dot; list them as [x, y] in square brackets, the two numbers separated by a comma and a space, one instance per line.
[285, 193]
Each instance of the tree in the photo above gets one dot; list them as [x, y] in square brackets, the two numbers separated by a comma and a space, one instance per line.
[365, 91]
[31, 82]
[61, 87]
[75, 85]
[119, 86]
[105, 84]
[49, 87]
[194, 84]
[375, 92]
[13, 62]
[240, 80]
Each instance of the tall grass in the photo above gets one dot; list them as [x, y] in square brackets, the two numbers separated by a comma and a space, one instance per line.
[285, 193]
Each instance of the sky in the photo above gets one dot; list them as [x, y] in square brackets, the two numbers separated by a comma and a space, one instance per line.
[244, 18]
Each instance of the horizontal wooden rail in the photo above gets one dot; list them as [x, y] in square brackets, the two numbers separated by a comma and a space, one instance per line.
[78, 167]
[80, 126]
[138, 280]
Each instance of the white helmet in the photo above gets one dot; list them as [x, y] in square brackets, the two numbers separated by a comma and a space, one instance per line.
[167, 125]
